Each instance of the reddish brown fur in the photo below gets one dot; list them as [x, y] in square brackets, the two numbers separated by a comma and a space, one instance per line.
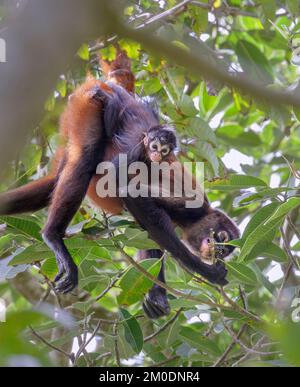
[119, 71]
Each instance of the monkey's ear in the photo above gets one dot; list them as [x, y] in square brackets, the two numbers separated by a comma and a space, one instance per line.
[146, 140]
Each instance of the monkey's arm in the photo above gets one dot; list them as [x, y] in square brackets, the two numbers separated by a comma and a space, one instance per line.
[160, 228]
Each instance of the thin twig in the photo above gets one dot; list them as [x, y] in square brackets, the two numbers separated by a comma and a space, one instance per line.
[245, 357]
[245, 348]
[49, 344]
[163, 327]
[239, 334]
[111, 285]
[86, 343]
[176, 10]
[230, 347]
[294, 228]
[116, 344]
[284, 282]
[287, 249]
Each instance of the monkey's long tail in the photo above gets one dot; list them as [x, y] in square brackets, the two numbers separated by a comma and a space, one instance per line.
[28, 198]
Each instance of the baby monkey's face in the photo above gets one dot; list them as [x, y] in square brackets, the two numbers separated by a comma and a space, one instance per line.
[160, 142]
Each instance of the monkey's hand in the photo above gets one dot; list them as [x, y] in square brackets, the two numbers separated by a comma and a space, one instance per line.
[156, 303]
[216, 274]
[67, 277]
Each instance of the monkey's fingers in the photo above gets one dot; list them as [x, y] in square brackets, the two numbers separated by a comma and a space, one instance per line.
[150, 312]
[156, 305]
[216, 274]
[69, 281]
[61, 270]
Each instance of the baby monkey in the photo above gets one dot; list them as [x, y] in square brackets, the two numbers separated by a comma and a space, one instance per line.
[160, 142]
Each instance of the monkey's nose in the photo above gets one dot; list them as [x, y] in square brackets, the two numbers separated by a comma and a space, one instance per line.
[155, 156]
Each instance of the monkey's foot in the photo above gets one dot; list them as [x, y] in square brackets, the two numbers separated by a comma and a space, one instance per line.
[156, 303]
[67, 277]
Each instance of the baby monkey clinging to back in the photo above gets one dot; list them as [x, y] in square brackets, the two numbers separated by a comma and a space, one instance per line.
[160, 142]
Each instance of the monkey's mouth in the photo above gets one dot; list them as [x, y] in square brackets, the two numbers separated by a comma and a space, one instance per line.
[155, 157]
[209, 252]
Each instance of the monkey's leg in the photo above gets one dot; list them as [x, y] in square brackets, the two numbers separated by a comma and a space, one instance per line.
[156, 302]
[29, 198]
[68, 194]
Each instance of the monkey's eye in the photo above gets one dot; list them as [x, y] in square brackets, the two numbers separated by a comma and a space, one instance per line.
[153, 146]
[165, 150]
[223, 236]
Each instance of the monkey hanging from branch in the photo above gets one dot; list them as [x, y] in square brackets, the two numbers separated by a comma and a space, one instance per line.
[101, 121]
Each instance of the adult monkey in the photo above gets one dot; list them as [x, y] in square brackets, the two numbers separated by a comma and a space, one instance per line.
[73, 175]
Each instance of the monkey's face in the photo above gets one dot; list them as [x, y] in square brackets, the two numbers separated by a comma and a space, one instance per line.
[159, 142]
[212, 248]
[208, 238]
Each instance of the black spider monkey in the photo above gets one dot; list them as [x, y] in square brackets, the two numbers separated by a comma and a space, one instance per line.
[100, 122]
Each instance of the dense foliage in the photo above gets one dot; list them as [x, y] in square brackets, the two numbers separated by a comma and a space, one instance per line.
[251, 151]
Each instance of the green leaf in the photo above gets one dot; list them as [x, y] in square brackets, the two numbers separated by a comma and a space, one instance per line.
[198, 341]
[207, 102]
[135, 285]
[31, 254]
[235, 135]
[248, 23]
[236, 182]
[5, 240]
[264, 194]
[50, 103]
[187, 106]
[49, 268]
[108, 53]
[285, 208]
[138, 239]
[269, 8]
[83, 52]
[242, 273]
[258, 218]
[201, 130]
[200, 19]
[265, 231]
[31, 157]
[25, 226]
[268, 250]
[205, 152]
[133, 332]
[152, 86]
[275, 252]
[62, 87]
